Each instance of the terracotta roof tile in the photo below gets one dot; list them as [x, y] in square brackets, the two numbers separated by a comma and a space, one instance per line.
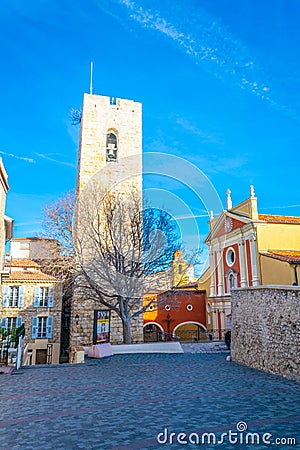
[279, 219]
[290, 256]
[27, 275]
[21, 263]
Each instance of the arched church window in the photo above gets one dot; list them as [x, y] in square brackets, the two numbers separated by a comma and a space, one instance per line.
[231, 281]
[111, 147]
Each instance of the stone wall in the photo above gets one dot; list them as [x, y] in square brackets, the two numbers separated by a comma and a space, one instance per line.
[124, 117]
[266, 329]
[82, 333]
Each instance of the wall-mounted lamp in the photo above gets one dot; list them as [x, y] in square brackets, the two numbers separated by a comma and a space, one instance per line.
[77, 319]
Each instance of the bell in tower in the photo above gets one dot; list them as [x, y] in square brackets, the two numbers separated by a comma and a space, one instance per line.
[111, 147]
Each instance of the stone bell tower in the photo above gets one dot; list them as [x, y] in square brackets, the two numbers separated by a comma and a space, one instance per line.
[111, 130]
[110, 156]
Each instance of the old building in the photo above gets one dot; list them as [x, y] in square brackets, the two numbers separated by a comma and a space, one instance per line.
[32, 298]
[6, 223]
[110, 157]
[247, 248]
[179, 273]
[176, 307]
[34, 248]
[177, 313]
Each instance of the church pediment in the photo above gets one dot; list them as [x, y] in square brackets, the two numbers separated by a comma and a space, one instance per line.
[226, 223]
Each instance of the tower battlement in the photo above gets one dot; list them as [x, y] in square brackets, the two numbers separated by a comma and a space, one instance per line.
[111, 130]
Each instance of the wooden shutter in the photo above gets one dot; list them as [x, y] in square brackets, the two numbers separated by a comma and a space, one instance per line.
[21, 297]
[49, 327]
[5, 296]
[34, 327]
[4, 323]
[51, 296]
[36, 296]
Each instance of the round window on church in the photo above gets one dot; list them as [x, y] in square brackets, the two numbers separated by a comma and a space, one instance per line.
[189, 307]
[167, 307]
[230, 256]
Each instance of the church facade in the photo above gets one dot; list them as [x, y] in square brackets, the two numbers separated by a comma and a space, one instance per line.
[247, 249]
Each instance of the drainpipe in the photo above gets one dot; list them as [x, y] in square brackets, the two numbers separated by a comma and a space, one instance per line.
[296, 283]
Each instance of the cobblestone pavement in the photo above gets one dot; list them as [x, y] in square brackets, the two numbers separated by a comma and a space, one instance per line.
[125, 401]
[204, 347]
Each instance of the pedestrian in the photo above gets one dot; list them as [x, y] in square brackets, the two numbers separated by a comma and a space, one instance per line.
[228, 339]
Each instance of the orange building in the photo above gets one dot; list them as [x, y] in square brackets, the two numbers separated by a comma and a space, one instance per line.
[178, 313]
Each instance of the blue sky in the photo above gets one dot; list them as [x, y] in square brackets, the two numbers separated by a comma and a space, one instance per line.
[219, 82]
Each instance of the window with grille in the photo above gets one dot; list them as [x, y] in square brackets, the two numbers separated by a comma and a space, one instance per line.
[11, 323]
[42, 327]
[43, 296]
[13, 296]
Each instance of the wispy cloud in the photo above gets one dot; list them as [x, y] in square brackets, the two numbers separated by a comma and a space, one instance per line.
[190, 216]
[23, 158]
[207, 41]
[22, 224]
[208, 162]
[49, 157]
[193, 129]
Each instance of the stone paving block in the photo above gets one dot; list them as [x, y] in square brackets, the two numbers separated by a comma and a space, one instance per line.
[123, 402]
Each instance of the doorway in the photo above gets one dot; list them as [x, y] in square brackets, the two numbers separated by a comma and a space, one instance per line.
[41, 356]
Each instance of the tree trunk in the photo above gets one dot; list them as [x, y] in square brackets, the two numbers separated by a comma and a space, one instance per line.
[126, 331]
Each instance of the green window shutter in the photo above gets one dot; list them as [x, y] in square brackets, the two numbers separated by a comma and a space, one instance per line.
[51, 296]
[34, 327]
[5, 299]
[36, 296]
[21, 297]
[49, 327]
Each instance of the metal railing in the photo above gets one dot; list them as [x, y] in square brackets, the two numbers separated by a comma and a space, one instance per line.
[186, 336]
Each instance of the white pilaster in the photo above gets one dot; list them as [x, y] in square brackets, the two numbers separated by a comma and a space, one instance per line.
[242, 263]
[220, 272]
[253, 253]
[215, 323]
[212, 274]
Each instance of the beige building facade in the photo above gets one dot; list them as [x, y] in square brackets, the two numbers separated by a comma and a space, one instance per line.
[6, 223]
[32, 298]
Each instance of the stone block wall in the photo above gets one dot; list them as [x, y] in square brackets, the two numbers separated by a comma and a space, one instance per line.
[82, 333]
[124, 117]
[266, 329]
[100, 116]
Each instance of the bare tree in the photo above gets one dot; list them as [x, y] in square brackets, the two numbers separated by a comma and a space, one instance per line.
[75, 116]
[114, 246]
[57, 227]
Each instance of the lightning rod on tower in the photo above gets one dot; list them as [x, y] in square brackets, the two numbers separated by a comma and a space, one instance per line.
[91, 78]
